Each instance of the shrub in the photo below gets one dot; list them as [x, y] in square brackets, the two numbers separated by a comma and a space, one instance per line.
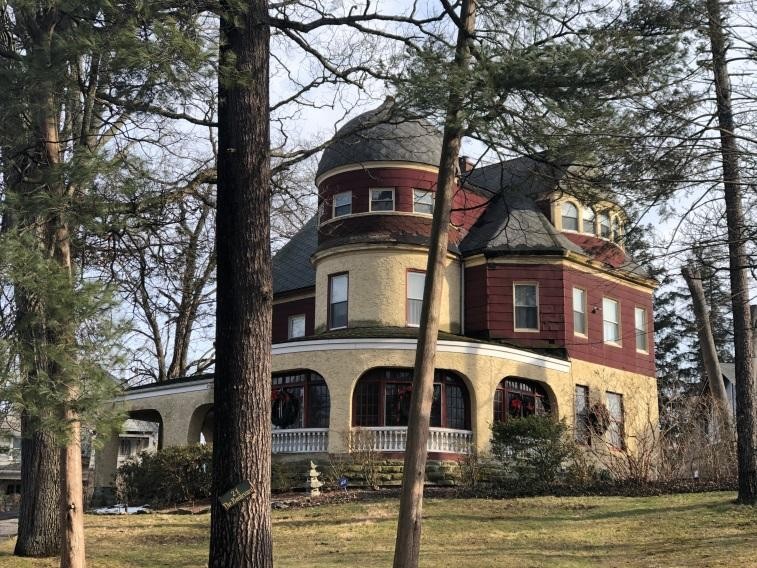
[533, 450]
[166, 477]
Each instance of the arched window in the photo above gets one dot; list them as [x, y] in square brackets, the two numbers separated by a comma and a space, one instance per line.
[569, 216]
[605, 230]
[588, 221]
[515, 398]
[382, 398]
[299, 399]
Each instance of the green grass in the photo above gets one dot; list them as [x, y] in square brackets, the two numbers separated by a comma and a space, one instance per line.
[677, 530]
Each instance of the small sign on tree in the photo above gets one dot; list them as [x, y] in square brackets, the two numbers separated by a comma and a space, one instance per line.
[236, 495]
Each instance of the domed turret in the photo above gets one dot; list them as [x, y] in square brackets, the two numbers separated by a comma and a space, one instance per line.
[384, 134]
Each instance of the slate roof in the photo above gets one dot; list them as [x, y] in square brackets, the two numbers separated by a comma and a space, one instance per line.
[527, 175]
[292, 269]
[382, 134]
[513, 223]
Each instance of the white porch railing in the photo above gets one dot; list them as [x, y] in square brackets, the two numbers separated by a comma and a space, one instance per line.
[393, 439]
[300, 440]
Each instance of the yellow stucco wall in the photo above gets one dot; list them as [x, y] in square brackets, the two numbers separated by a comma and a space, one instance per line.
[377, 282]
[342, 368]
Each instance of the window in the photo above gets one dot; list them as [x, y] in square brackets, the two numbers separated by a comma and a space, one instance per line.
[517, 399]
[382, 200]
[382, 398]
[299, 399]
[605, 230]
[611, 320]
[526, 301]
[423, 201]
[415, 282]
[588, 221]
[616, 234]
[296, 326]
[342, 204]
[615, 430]
[338, 293]
[569, 217]
[579, 311]
[640, 325]
[582, 426]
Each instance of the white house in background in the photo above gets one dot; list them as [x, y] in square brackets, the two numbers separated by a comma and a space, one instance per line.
[136, 436]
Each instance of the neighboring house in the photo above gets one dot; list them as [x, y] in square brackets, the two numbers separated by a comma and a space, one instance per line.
[10, 455]
[136, 436]
[542, 309]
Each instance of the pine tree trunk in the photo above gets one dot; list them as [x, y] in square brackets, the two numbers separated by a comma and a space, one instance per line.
[240, 537]
[738, 259]
[39, 515]
[408, 542]
[706, 341]
[72, 495]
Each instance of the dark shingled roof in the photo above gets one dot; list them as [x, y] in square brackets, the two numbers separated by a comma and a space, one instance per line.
[382, 135]
[513, 223]
[528, 175]
[292, 269]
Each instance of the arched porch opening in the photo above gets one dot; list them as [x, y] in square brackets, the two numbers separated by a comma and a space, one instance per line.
[516, 397]
[381, 408]
[141, 431]
[201, 425]
[300, 411]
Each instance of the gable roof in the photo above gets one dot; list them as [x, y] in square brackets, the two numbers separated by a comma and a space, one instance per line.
[292, 269]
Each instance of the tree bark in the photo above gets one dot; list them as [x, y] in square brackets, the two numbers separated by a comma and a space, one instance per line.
[408, 542]
[738, 260]
[240, 537]
[706, 341]
[39, 532]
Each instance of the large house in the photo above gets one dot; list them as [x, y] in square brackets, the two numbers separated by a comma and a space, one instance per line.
[542, 310]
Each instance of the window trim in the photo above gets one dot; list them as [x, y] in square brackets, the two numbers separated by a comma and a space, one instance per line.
[622, 421]
[579, 220]
[585, 311]
[328, 300]
[619, 342]
[645, 351]
[408, 271]
[538, 311]
[433, 201]
[289, 325]
[370, 199]
[333, 204]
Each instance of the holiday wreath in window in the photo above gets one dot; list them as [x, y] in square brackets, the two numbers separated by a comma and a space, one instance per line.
[285, 408]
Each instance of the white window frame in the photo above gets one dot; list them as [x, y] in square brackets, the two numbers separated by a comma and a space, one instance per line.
[330, 304]
[579, 219]
[370, 199]
[425, 192]
[515, 306]
[616, 422]
[600, 225]
[593, 221]
[408, 298]
[584, 313]
[292, 319]
[645, 331]
[619, 341]
[334, 205]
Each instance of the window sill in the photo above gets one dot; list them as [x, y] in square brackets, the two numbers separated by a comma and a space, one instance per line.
[613, 344]
[525, 330]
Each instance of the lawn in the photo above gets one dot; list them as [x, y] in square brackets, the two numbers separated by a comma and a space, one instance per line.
[676, 530]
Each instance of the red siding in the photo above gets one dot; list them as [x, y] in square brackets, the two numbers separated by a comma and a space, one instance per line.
[489, 312]
[282, 312]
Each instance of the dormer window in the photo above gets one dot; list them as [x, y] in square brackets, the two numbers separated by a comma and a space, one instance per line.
[569, 216]
[382, 199]
[617, 236]
[589, 218]
[342, 204]
[605, 230]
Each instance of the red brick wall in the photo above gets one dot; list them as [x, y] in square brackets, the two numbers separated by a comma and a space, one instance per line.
[282, 312]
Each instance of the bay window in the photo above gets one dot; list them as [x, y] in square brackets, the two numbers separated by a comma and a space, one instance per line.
[526, 304]
[382, 199]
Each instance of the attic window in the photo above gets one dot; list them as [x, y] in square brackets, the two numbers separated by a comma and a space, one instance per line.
[605, 231]
[588, 221]
[569, 216]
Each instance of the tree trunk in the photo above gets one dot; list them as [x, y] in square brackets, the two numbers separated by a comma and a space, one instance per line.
[72, 495]
[240, 537]
[39, 515]
[738, 260]
[408, 542]
[707, 342]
